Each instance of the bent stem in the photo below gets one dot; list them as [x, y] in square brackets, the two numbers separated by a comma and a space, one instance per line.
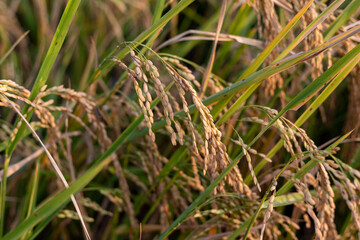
[53, 163]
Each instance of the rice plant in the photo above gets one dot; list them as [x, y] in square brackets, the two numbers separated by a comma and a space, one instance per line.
[179, 119]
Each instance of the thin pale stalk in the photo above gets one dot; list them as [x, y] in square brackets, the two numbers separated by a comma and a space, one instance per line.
[53, 162]
[13, 47]
[213, 51]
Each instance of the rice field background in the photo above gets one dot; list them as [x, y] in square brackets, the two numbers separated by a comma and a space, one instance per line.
[226, 119]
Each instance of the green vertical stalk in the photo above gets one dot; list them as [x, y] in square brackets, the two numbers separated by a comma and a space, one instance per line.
[40, 81]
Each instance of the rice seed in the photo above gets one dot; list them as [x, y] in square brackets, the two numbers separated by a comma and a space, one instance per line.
[269, 209]
[241, 143]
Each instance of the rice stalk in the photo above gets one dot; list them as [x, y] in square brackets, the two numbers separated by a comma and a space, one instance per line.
[54, 164]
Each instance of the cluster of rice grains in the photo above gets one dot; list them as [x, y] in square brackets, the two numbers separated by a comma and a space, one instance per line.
[214, 158]
[209, 151]
[266, 11]
[233, 201]
[316, 37]
[269, 27]
[315, 186]
[45, 110]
